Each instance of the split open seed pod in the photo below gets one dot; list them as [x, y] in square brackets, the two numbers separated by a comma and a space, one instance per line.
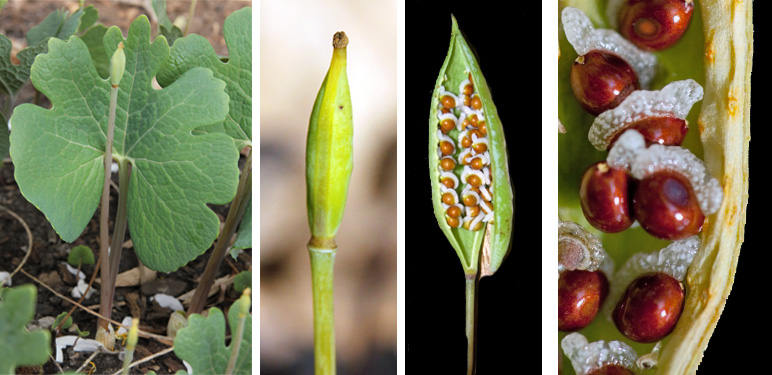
[464, 174]
[716, 51]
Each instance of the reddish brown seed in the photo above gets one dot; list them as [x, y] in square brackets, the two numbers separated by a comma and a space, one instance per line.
[448, 182]
[476, 102]
[446, 148]
[666, 207]
[668, 131]
[468, 89]
[654, 25]
[466, 142]
[447, 125]
[453, 211]
[480, 147]
[467, 100]
[452, 221]
[482, 127]
[612, 369]
[477, 163]
[580, 295]
[473, 211]
[470, 200]
[601, 80]
[473, 119]
[488, 203]
[605, 197]
[448, 198]
[445, 110]
[465, 123]
[447, 164]
[474, 180]
[448, 101]
[650, 308]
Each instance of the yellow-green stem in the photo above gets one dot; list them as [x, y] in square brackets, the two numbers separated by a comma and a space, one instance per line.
[471, 323]
[190, 16]
[322, 261]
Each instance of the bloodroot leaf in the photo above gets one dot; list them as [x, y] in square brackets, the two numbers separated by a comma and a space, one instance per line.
[194, 50]
[59, 152]
[60, 24]
[18, 346]
[13, 77]
[202, 342]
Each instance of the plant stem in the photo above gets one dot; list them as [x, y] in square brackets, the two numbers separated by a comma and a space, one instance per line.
[322, 261]
[236, 345]
[190, 16]
[235, 212]
[471, 323]
[104, 246]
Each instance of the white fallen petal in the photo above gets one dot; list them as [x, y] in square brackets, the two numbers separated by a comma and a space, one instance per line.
[165, 300]
[121, 330]
[78, 291]
[74, 271]
[83, 345]
[5, 278]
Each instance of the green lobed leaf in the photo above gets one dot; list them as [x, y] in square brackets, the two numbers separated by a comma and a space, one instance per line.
[195, 51]
[18, 346]
[202, 342]
[59, 24]
[459, 63]
[242, 280]
[13, 77]
[96, 47]
[174, 174]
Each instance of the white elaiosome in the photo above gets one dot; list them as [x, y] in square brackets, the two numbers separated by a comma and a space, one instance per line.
[674, 100]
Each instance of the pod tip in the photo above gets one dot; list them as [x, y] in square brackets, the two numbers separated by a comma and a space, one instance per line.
[339, 40]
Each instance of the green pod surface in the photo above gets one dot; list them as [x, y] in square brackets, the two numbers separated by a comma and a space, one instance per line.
[483, 250]
[329, 150]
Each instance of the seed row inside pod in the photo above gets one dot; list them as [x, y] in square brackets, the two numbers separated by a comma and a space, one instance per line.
[461, 116]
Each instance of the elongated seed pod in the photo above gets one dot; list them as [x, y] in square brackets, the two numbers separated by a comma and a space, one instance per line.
[480, 161]
[329, 151]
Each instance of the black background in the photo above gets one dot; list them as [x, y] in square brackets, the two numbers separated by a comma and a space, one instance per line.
[509, 303]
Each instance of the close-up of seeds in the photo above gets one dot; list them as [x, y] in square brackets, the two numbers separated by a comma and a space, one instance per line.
[654, 99]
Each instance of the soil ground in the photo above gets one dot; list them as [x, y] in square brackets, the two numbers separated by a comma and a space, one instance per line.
[49, 252]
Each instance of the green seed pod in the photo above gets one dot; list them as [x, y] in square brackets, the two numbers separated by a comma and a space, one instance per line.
[481, 235]
[329, 151]
[117, 65]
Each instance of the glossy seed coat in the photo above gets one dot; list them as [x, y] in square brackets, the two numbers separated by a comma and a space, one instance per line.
[650, 308]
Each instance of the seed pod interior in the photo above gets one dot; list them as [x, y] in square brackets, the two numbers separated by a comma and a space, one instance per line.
[485, 157]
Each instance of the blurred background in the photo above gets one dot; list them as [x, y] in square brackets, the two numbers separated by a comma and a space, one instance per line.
[295, 53]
